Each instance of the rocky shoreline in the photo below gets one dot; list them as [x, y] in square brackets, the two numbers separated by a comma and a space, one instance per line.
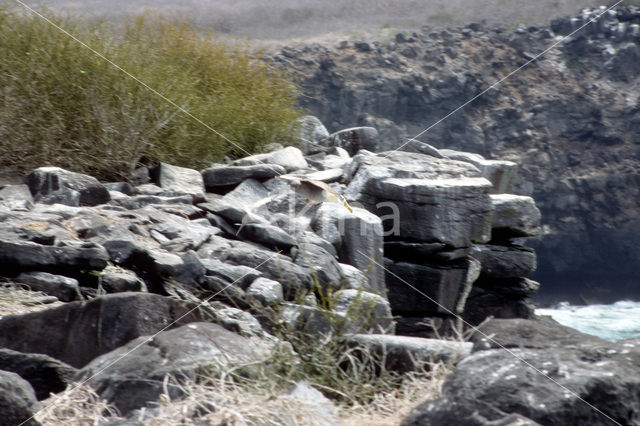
[569, 119]
[181, 270]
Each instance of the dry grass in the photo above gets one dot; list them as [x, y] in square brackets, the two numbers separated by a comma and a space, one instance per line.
[75, 406]
[17, 300]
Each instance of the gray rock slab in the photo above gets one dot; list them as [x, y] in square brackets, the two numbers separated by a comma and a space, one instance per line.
[240, 274]
[45, 374]
[137, 379]
[77, 332]
[405, 353]
[356, 138]
[52, 184]
[291, 158]
[354, 278]
[18, 402]
[499, 172]
[322, 264]
[118, 280]
[515, 215]
[64, 288]
[179, 180]
[326, 413]
[267, 292]
[16, 197]
[550, 386]
[269, 236]
[505, 261]
[365, 312]
[223, 178]
[64, 256]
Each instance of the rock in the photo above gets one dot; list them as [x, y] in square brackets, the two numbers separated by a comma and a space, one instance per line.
[291, 158]
[118, 280]
[77, 332]
[404, 353]
[240, 274]
[354, 278]
[246, 194]
[536, 333]
[223, 178]
[267, 292]
[390, 135]
[312, 134]
[271, 265]
[326, 414]
[462, 412]
[413, 145]
[16, 197]
[55, 185]
[365, 312]
[550, 386]
[179, 180]
[355, 139]
[418, 252]
[358, 239]
[425, 290]
[505, 261]
[63, 288]
[45, 374]
[515, 215]
[499, 173]
[311, 321]
[268, 235]
[138, 379]
[63, 257]
[483, 303]
[323, 266]
[18, 402]
[515, 288]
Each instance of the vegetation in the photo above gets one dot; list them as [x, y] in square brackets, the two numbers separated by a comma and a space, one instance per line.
[61, 104]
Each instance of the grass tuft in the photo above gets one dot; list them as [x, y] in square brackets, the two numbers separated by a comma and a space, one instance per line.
[61, 104]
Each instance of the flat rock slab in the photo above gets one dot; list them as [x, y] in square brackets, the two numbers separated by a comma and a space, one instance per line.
[505, 261]
[63, 288]
[134, 380]
[556, 392]
[291, 158]
[26, 255]
[50, 185]
[515, 215]
[45, 374]
[16, 197]
[77, 332]
[404, 353]
[224, 178]
[179, 180]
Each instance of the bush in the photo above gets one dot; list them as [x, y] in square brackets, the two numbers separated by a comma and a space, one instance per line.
[63, 105]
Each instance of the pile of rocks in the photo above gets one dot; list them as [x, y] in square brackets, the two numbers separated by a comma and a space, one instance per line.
[165, 279]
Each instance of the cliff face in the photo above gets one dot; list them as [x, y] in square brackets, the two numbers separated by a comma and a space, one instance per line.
[570, 118]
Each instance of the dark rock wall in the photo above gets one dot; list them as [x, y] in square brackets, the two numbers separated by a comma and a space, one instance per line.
[570, 119]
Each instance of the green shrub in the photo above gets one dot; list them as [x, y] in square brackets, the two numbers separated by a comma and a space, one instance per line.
[63, 105]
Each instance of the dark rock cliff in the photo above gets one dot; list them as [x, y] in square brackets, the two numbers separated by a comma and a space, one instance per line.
[570, 118]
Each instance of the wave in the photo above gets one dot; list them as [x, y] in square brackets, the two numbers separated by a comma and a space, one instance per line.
[617, 321]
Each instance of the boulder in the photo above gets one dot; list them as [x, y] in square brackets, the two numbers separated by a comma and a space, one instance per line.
[267, 292]
[500, 173]
[269, 236]
[483, 303]
[179, 180]
[358, 239]
[16, 197]
[62, 257]
[18, 402]
[64, 288]
[131, 379]
[50, 185]
[322, 264]
[77, 332]
[403, 353]
[515, 215]
[221, 179]
[365, 312]
[511, 261]
[355, 139]
[118, 280]
[312, 134]
[599, 384]
[45, 374]
[325, 412]
[536, 333]
[291, 158]
[354, 278]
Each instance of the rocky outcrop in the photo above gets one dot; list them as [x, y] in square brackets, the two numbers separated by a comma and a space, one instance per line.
[555, 377]
[569, 118]
[196, 268]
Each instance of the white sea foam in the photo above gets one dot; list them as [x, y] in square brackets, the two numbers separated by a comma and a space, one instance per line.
[618, 321]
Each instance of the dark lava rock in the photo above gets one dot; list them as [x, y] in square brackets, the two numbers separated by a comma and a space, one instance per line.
[18, 403]
[45, 374]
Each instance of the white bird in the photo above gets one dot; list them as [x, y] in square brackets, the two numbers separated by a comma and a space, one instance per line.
[314, 191]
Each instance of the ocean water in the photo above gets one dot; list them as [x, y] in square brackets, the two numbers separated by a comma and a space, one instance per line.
[618, 321]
